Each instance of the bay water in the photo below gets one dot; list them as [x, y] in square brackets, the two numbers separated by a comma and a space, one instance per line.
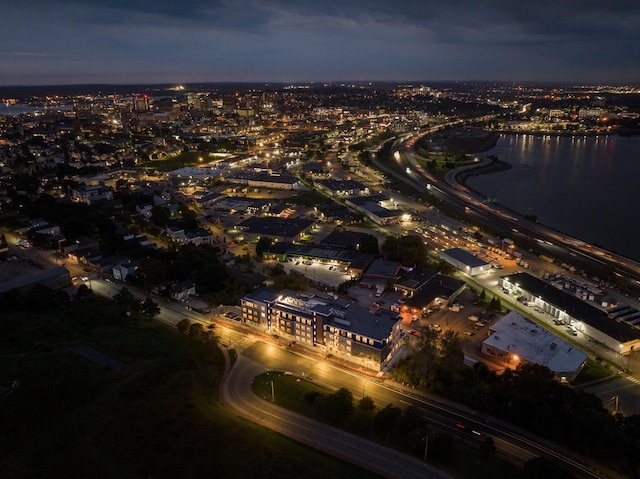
[586, 187]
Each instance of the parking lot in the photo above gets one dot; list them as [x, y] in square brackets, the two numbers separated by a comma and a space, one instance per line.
[471, 321]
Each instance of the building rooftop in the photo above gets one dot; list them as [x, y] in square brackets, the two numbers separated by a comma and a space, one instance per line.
[274, 226]
[359, 320]
[415, 278]
[574, 307]
[464, 257]
[341, 185]
[343, 239]
[437, 287]
[534, 344]
[382, 268]
[38, 276]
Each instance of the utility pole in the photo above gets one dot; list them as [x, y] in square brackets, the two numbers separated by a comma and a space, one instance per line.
[426, 444]
[273, 394]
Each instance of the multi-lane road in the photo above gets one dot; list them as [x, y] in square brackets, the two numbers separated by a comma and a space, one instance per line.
[260, 356]
[500, 219]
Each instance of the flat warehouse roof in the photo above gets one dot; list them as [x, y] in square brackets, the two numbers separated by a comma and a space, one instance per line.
[574, 307]
[464, 257]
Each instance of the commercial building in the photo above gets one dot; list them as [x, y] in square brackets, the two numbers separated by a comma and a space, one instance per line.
[341, 188]
[581, 317]
[378, 208]
[515, 339]
[436, 292]
[24, 280]
[465, 261]
[342, 328]
[279, 229]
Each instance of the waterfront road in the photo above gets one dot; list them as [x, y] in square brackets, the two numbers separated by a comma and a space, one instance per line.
[459, 198]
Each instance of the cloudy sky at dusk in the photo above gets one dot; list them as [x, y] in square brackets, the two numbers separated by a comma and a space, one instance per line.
[179, 41]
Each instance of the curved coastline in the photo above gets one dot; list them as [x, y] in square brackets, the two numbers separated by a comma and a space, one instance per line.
[462, 178]
[495, 166]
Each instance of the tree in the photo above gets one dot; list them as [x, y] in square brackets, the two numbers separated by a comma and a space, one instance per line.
[451, 354]
[149, 308]
[196, 330]
[183, 325]
[494, 304]
[366, 405]
[483, 296]
[83, 290]
[152, 271]
[443, 448]
[213, 277]
[293, 282]
[126, 300]
[408, 250]
[263, 244]
[416, 439]
[160, 216]
[369, 244]
[488, 446]
[386, 419]
[337, 406]
[209, 337]
[542, 467]
[426, 352]
[189, 218]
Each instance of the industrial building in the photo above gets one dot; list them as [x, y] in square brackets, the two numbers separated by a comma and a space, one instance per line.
[465, 261]
[515, 339]
[574, 313]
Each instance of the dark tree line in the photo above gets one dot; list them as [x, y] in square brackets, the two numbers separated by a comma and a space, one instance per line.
[527, 396]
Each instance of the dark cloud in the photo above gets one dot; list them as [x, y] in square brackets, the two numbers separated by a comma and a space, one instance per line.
[274, 40]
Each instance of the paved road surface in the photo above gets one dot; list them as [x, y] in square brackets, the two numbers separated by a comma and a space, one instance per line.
[236, 394]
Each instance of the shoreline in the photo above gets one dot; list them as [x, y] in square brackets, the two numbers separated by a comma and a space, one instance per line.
[568, 134]
[495, 166]
[498, 165]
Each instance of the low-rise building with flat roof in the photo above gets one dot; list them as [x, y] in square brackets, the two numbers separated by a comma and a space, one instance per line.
[23, 279]
[438, 291]
[342, 187]
[281, 229]
[380, 272]
[515, 339]
[377, 208]
[579, 315]
[465, 261]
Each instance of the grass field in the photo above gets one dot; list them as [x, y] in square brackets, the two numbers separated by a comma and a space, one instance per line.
[181, 160]
[158, 416]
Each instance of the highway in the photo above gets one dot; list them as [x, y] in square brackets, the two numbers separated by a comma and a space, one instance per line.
[237, 395]
[260, 356]
[498, 218]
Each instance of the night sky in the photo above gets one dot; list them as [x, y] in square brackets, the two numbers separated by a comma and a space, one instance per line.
[180, 41]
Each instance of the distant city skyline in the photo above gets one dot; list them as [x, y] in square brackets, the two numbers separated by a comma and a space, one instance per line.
[164, 41]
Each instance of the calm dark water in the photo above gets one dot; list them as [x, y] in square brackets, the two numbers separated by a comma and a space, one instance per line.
[588, 187]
